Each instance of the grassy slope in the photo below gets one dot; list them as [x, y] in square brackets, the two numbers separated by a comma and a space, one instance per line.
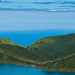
[7, 41]
[13, 53]
[61, 46]
[5, 58]
[55, 47]
[64, 64]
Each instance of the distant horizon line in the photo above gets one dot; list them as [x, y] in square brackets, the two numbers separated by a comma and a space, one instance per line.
[37, 29]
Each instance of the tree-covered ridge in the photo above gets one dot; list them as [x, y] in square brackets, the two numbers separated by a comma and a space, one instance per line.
[20, 52]
[11, 52]
[64, 64]
[55, 47]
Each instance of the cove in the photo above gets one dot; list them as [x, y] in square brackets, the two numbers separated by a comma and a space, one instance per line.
[7, 69]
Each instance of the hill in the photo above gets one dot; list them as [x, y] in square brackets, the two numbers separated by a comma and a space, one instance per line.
[11, 52]
[64, 64]
[55, 47]
[56, 53]
[7, 41]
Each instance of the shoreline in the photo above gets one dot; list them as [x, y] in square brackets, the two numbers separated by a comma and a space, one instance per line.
[33, 66]
[58, 70]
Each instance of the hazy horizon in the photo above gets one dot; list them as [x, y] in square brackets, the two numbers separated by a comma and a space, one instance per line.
[19, 20]
[19, 15]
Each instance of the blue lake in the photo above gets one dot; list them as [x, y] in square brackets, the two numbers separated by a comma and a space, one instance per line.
[6, 69]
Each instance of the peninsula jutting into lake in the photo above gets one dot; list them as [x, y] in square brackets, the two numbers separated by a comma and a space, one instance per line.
[52, 53]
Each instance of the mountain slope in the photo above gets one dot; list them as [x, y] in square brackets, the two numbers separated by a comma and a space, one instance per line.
[5, 58]
[12, 52]
[64, 64]
[51, 53]
[7, 41]
[54, 47]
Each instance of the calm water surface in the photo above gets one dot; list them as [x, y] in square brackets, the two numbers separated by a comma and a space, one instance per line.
[6, 69]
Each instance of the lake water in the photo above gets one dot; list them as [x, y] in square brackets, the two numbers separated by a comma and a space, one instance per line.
[6, 69]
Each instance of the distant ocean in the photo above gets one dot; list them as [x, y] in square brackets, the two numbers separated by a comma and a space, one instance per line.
[28, 37]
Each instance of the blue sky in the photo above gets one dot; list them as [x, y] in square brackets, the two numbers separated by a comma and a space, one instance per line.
[16, 15]
[23, 20]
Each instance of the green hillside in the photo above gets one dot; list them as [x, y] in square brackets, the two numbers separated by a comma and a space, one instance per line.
[11, 52]
[5, 58]
[7, 41]
[50, 53]
[55, 47]
[64, 64]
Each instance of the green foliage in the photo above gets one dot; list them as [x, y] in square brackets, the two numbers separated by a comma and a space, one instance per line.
[11, 52]
[20, 52]
[49, 53]
[7, 41]
[55, 47]
[64, 64]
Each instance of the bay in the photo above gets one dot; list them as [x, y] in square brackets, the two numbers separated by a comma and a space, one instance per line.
[27, 37]
[6, 69]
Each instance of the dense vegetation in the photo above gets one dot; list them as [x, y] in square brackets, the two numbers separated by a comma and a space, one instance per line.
[20, 52]
[13, 53]
[7, 41]
[64, 64]
[49, 53]
[55, 47]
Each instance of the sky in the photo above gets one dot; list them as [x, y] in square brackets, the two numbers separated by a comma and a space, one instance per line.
[16, 15]
[17, 20]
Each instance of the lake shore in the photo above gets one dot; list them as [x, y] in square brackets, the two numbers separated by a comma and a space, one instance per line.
[48, 70]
